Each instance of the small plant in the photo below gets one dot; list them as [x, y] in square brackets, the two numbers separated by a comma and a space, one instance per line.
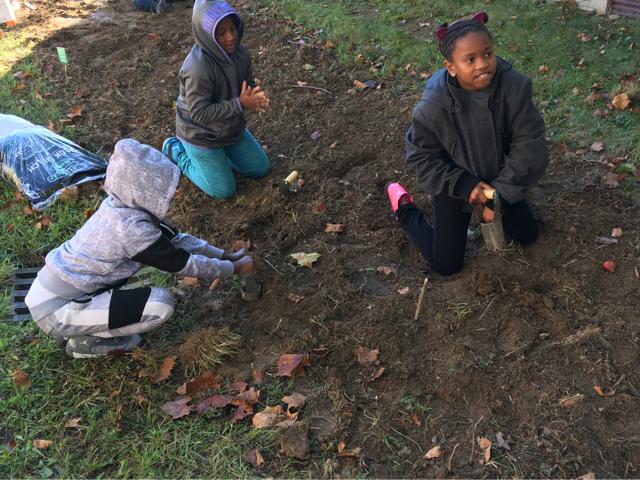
[205, 349]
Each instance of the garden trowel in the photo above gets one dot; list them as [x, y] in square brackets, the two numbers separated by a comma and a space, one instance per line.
[493, 232]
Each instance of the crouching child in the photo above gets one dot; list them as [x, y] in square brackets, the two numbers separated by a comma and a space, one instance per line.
[78, 296]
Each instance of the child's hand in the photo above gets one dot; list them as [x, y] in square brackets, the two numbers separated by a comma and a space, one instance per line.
[253, 99]
[477, 197]
[234, 256]
[487, 215]
[244, 266]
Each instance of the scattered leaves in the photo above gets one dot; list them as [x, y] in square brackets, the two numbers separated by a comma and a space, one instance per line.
[485, 445]
[21, 379]
[244, 410]
[343, 451]
[254, 457]
[305, 259]
[334, 228]
[44, 222]
[367, 357]
[153, 36]
[295, 298]
[292, 365]
[329, 44]
[621, 101]
[268, 417]
[612, 179]
[257, 376]
[177, 408]
[68, 194]
[205, 381]
[42, 444]
[434, 452]
[377, 374]
[75, 111]
[214, 401]
[215, 284]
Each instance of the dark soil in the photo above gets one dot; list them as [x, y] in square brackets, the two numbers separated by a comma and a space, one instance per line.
[495, 348]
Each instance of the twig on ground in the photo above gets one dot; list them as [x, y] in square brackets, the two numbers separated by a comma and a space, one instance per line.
[269, 263]
[420, 299]
[455, 447]
[486, 309]
[314, 88]
[473, 439]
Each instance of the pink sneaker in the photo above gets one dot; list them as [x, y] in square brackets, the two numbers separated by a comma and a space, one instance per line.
[396, 193]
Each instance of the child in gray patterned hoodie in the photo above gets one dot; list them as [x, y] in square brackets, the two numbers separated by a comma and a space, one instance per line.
[77, 295]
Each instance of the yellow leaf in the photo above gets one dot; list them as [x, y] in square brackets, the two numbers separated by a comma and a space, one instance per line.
[42, 444]
[621, 102]
[306, 259]
[435, 452]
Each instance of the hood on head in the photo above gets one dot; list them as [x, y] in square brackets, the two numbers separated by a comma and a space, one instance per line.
[207, 14]
[139, 176]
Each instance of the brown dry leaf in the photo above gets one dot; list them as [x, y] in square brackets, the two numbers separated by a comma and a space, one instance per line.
[613, 179]
[387, 270]
[80, 93]
[244, 410]
[292, 365]
[604, 393]
[215, 284]
[543, 69]
[207, 380]
[597, 146]
[616, 232]
[268, 417]
[404, 290]
[44, 222]
[359, 85]
[295, 400]
[73, 423]
[177, 408]
[434, 452]
[42, 444]
[162, 374]
[367, 357]
[188, 282]
[295, 298]
[377, 374]
[485, 445]
[238, 387]
[587, 476]
[114, 394]
[68, 194]
[592, 98]
[214, 401]
[27, 210]
[238, 244]
[584, 37]
[318, 207]
[333, 145]
[153, 36]
[329, 44]
[21, 378]
[254, 457]
[417, 421]
[334, 228]
[86, 213]
[139, 398]
[572, 401]
[621, 102]
[343, 451]
[250, 397]
[300, 83]
[75, 111]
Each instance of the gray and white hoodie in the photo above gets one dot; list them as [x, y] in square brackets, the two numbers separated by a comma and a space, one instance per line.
[127, 231]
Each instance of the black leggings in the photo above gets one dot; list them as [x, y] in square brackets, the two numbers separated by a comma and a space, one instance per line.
[444, 243]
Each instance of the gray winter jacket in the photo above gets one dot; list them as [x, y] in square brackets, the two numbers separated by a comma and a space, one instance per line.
[208, 110]
[459, 137]
[126, 231]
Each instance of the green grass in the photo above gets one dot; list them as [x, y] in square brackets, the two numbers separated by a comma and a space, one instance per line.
[528, 34]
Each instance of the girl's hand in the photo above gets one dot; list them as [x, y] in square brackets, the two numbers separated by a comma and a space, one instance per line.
[487, 215]
[244, 266]
[476, 197]
[253, 99]
[234, 256]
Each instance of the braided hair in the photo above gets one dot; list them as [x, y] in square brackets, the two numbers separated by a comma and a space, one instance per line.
[447, 35]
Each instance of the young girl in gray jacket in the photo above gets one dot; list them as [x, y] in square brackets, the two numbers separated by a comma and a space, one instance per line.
[216, 88]
[474, 129]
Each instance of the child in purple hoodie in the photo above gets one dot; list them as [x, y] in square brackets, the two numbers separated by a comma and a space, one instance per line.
[216, 87]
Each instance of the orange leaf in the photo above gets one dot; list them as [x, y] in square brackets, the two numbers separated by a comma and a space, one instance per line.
[44, 222]
[604, 393]
[244, 410]
[153, 36]
[435, 452]
[254, 457]
[21, 378]
[75, 111]
[621, 102]
[207, 380]
[485, 445]
[292, 365]
[42, 444]
[163, 373]
[294, 298]
[268, 417]
[334, 228]
[188, 282]
[257, 376]
[343, 451]
[367, 357]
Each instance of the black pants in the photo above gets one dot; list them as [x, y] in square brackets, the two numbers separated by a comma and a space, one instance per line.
[444, 243]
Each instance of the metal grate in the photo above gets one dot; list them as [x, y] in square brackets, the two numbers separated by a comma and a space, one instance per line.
[22, 280]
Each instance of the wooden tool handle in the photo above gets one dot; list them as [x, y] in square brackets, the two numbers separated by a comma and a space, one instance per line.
[489, 193]
[292, 177]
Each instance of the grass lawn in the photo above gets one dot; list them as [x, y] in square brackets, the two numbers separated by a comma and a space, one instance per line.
[122, 432]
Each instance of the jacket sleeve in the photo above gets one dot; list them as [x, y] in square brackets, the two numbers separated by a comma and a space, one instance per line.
[196, 245]
[527, 156]
[436, 172]
[197, 94]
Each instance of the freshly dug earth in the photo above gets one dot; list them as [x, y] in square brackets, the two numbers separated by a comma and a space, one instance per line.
[495, 349]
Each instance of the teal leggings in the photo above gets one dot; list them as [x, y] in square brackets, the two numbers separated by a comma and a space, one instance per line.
[211, 169]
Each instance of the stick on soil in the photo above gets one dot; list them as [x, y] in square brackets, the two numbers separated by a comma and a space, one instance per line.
[420, 299]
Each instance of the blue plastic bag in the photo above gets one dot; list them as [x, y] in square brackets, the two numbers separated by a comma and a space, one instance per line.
[42, 163]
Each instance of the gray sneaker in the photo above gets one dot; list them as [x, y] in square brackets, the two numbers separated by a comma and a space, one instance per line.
[92, 347]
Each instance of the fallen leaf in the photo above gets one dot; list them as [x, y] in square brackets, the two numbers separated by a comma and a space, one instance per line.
[587, 476]
[75, 111]
[21, 378]
[240, 244]
[306, 259]
[42, 444]
[27, 210]
[329, 44]
[139, 398]
[404, 290]
[387, 270]
[244, 410]
[301, 83]
[597, 146]
[254, 457]
[609, 266]
[308, 66]
[214, 401]
[333, 145]
[367, 357]
[501, 442]
[577, 91]
[177, 408]
[295, 298]
[292, 365]
[377, 374]
[162, 374]
[434, 452]
[20, 75]
[207, 380]
[485, 445]
[621, 102]
[215, 284]
[257, 376]
[268, 417]
[238, 387]
[318, 207]
[295, 400]
[86, 213]
[73, 422]
[334, 228]
[543, 69]
[68, 194]
[188, 282]
[153, 36]
[80, 93]
[592, 98]
[612, 179]
[571, 401]
[359, 85]
[584, 37]
[616, 232]
[343, 451]
[315, 135]
[250, 397]
[603, 393]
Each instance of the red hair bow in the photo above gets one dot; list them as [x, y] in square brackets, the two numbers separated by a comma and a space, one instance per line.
[480, 17]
